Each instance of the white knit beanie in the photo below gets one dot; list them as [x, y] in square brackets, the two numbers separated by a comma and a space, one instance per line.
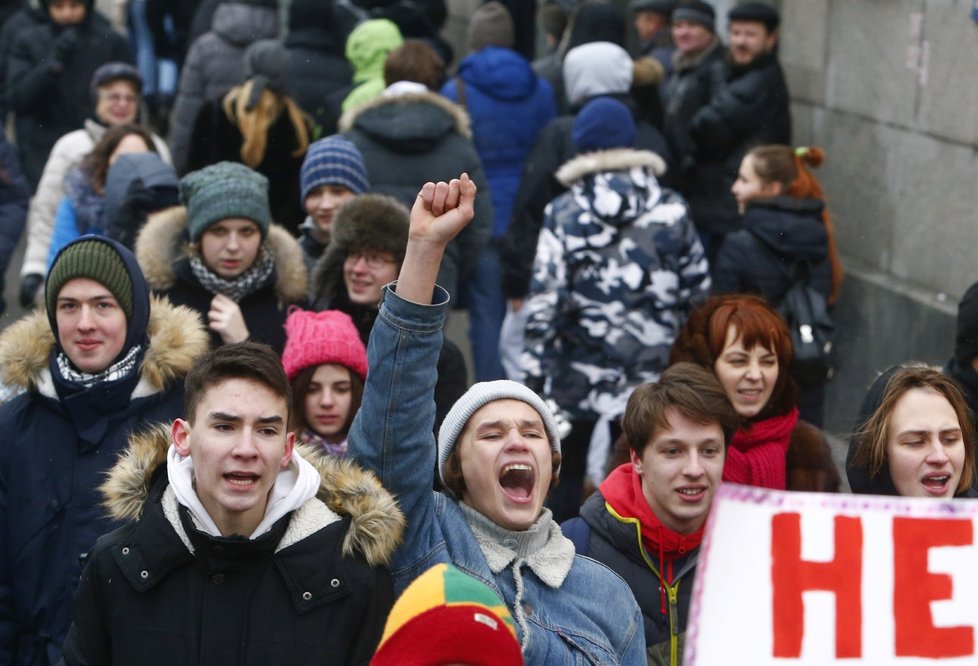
[480, 395]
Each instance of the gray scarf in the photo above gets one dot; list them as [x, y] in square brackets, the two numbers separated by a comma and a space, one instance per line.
[259, 275]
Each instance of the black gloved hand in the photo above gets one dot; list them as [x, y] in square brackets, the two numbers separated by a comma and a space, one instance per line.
[65, 43]
[29, 284]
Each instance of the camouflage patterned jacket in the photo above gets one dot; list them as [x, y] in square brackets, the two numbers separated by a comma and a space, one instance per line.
[618, 267]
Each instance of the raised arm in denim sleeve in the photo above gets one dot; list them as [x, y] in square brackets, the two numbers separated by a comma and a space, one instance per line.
[391, 434]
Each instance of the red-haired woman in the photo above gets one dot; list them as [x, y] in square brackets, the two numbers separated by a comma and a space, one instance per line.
[747, 346]
[785, 221]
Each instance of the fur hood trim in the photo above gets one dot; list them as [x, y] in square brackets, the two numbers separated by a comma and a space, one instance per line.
[600, 161]
[160, 243]
[177, 338]
[463, 125]
[376, 526]
[647, 72]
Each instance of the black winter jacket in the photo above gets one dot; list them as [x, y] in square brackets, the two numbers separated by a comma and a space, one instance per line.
[52, 98]
[317, 68]
[539, 186]
[49, 473]
[162, 252]
[778, 231]
[750, 109]
[312, 590]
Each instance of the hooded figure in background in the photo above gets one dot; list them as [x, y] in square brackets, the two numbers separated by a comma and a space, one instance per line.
[49, 69]
[317, 60]
[137, 186]
[102, 360]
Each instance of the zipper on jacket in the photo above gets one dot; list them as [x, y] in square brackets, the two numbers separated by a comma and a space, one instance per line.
[673, 591]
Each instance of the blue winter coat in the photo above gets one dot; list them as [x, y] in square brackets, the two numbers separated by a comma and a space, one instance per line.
[50, 509]
[509, 105]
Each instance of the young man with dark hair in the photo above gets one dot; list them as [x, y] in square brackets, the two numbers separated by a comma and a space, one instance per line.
[647, 519]
[101, 360]
[239, 550]
[491, 523]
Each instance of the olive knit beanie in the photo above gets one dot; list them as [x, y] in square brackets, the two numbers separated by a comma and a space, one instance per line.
[221, 191]
[95, 260]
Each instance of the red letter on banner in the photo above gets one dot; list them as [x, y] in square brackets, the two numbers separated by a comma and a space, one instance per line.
[914, 588]
[790, 576]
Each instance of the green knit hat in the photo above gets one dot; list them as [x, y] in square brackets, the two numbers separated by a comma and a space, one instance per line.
[95, 260]
[221, 191]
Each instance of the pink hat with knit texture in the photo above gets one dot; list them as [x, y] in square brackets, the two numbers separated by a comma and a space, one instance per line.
[314, 338]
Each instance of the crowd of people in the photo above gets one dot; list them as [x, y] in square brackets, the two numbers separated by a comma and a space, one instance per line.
[231, 428]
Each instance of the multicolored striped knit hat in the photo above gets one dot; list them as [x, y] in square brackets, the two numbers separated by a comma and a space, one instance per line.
[448, 617]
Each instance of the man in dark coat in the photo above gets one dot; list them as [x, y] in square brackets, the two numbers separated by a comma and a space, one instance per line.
[102, 360]
[243, 549]
[647, 519]
[48, 73]
[749, 108]
[691, 83]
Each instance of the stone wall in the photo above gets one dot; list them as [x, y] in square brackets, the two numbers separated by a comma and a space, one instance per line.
[890, 89]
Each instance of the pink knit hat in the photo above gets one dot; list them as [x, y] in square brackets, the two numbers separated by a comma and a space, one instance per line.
[314, 338]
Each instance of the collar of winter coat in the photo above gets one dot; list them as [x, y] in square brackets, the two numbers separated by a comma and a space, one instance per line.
[162, 241]
[622, 491]
[409, 122]
[243, 24]
[176, 339]
[603, 161]
[346, 489]
[792, 227]
[686, 61]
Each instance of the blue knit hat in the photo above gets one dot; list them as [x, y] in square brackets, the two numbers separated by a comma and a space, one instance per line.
[602, 124]
[221, 191]
[334, 160]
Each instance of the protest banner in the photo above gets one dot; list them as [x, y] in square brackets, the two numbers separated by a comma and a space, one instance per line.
[808, 578]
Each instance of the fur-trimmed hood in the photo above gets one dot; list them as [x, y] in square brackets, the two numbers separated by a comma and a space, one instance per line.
[162, 241]
[407, 117]
[602, 161]
[376, 526]
[177, 339]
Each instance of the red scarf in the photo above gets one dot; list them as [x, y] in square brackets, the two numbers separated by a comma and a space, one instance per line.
[623, 491]
[755, 457]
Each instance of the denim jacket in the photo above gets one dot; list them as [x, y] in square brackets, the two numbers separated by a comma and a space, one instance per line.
[591, 618]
